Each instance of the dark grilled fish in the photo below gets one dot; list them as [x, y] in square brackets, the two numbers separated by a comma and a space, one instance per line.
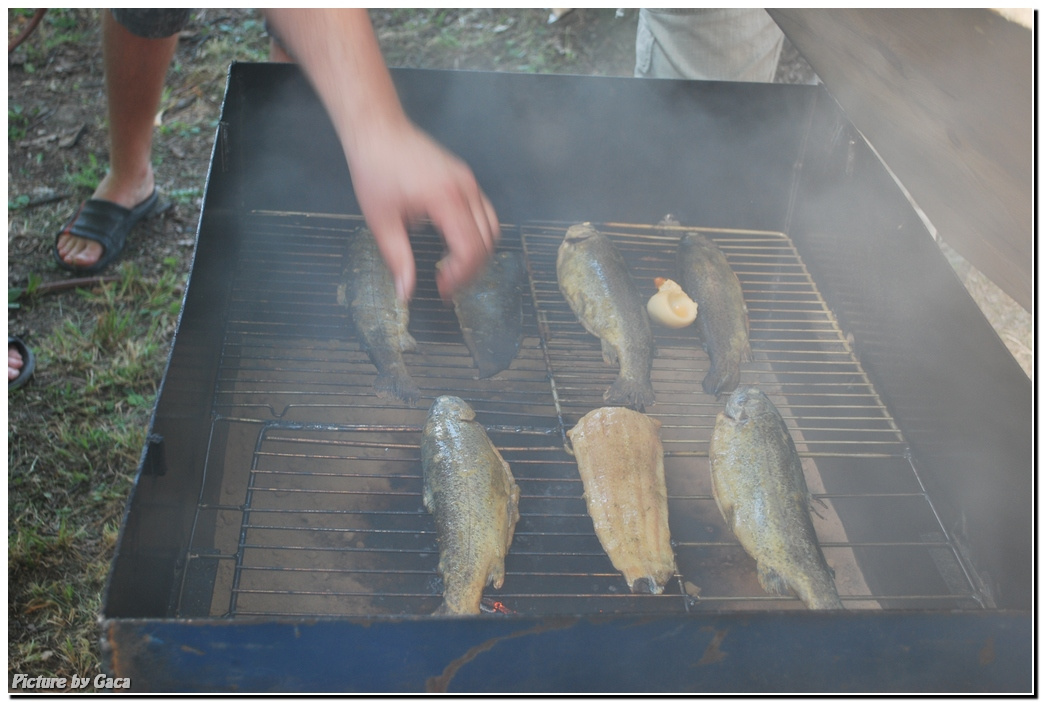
[760, 488]
[490, 313]
[597, 285]
[621, 460]
[381, 320]
[469, 489]
[722, 321]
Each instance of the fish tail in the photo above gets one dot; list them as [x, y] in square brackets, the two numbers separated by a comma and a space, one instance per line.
[646, 586]
[446, 610]
[823, 597]
[399, 385]
[630, 392]
[723, 376]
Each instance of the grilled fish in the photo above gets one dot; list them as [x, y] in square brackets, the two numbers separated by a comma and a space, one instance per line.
[490, 313]
[760, 488]
[597, 285]
[620, 458]
[381, 320]
[469, 489]
[722, 321]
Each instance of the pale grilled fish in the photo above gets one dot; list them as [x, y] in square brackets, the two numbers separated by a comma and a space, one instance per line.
[621, 460]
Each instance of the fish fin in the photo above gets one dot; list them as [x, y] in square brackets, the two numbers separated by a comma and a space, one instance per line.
[444, 610]
[772, 581]
[609, 353]
[497, 575]
[812, 501]
[466, 414]
[727, 511]
[722, 377]
[514, 506]
[400, 386]
[631, 393]
[407, 342]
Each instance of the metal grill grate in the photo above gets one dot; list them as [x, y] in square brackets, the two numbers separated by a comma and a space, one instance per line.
[312, 503]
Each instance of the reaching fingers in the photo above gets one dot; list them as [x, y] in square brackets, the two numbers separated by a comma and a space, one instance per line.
[470, 229]
[393, 242]
[487, 220]
[435, 184]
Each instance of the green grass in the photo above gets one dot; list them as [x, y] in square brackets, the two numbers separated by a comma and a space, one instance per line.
[76, 431]
[17, 122]
[58, 28]
[485, 39]
[87, 176]
[71, 468]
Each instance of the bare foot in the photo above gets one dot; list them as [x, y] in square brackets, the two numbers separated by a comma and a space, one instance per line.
[84, 253]
[14, 363]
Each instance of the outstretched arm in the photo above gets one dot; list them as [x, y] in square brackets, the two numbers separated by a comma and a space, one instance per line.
[399, 172]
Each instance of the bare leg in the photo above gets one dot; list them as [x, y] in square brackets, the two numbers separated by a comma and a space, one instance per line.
[135, 70]
[276, 54]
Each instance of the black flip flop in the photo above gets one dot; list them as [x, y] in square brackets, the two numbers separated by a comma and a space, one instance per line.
[28, 363]
[106, 223]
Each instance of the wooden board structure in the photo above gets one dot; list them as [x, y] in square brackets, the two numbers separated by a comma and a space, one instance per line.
[945, 96]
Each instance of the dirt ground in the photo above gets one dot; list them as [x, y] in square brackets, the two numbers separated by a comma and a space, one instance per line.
[57, 149]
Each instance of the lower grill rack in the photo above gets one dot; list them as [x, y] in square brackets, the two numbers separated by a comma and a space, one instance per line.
[312, 504]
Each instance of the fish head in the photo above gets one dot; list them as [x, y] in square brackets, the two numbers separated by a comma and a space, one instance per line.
[747, 402]
[693, 239]
[450, 406]
[577, 233]
[669, 220]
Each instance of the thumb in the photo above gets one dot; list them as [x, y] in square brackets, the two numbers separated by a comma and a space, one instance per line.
[394, 245]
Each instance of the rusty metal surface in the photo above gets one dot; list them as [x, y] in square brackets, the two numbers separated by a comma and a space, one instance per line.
[313, 502]
[284, 390]
[737, 652]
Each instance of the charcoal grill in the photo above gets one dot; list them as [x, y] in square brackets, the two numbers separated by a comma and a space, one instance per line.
[276, 539]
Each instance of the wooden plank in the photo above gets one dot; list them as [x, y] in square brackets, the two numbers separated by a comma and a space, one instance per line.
[945, 96]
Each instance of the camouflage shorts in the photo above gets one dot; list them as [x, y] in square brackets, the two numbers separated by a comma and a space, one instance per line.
[152, 24]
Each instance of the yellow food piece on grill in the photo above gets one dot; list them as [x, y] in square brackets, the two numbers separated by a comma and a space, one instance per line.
[670, 306]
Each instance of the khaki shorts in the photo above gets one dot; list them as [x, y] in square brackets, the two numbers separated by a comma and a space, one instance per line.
[708, 44]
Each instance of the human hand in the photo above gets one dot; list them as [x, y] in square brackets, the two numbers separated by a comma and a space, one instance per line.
[401, 175]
